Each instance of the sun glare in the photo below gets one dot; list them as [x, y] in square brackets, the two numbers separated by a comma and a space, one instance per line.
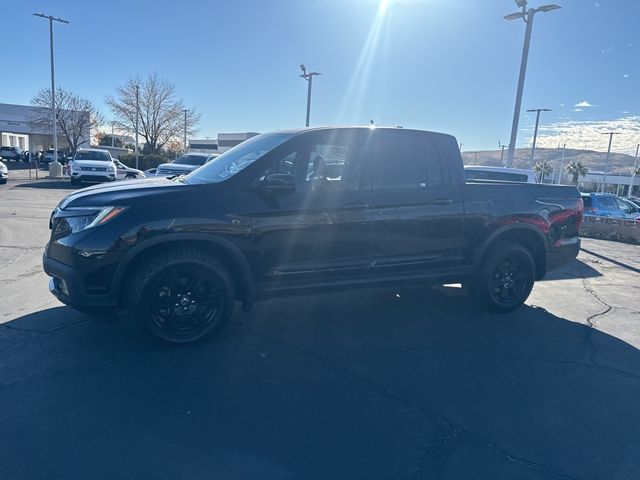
[383, 6]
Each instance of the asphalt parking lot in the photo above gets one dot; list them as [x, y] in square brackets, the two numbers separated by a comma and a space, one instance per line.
[408, 383]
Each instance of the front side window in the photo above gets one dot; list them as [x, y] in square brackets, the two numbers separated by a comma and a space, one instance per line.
[325, 161]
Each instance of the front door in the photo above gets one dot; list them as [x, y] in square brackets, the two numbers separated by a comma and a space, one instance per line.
[318, 234]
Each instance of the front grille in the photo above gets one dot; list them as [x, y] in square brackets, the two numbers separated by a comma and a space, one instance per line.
[93, 169]
[93, 178]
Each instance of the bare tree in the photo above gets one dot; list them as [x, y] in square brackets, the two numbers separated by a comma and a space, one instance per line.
[162, 117]
[76, 116]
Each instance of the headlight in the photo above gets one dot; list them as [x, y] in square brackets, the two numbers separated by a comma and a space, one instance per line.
[3, 168]
[75, 219]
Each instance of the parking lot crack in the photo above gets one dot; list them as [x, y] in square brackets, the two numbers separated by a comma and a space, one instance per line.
[454, 430]
[436, 455]
[23, 251]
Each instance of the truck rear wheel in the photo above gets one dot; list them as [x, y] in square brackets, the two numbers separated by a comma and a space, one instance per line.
[504, 279]
[181, 296]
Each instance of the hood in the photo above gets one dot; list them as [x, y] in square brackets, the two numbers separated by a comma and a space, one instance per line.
[94, 163]
[118, 193]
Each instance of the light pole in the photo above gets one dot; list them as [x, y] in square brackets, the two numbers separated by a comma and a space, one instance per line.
[527, 17]
[501, 147]
[308, 76]
[606, 160]
[633, 174]
[185, 129]
[54, 117]
[137, 118]
[535, 132]
[112, 139]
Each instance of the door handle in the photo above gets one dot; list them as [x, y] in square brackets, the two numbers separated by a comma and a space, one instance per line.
[440, 201]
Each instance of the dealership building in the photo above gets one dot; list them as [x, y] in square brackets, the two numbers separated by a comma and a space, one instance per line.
[17, 129]
[224, 142]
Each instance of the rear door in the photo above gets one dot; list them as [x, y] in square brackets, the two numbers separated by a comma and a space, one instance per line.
[416, 211]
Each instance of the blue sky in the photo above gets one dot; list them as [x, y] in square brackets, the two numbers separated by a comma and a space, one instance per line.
[447, 65]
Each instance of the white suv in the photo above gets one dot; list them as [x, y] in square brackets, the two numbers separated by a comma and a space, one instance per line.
[92, 165]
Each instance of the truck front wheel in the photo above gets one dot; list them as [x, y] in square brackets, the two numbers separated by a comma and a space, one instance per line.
[181, 296]
[504, 279]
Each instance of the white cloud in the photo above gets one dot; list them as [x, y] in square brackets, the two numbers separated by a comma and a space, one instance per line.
[583, 104]
[626, 75]
[562, 104]
[608, 50]
[576, 110]
[589, 134]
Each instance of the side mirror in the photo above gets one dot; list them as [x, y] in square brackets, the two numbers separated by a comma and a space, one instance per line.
[278, 184]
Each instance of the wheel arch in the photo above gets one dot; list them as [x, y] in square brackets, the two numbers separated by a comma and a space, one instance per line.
[223, 250]
[528, 236]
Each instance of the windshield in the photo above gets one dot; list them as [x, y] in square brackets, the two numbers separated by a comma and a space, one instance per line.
[190, 160]
[238, 158]
[93, 155]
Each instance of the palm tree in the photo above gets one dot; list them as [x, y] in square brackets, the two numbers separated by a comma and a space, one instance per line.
[576, 170]
[543, 168]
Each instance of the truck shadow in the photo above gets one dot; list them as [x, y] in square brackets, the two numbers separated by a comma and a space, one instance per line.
[346, 385]
[576, 269]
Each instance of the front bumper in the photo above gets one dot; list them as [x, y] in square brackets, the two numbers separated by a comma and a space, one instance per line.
[66, 284]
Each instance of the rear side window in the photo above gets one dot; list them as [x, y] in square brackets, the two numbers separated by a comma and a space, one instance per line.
[405, 160]
[608, 203]
[587, 201]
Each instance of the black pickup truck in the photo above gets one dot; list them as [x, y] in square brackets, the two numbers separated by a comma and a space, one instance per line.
[304, 211]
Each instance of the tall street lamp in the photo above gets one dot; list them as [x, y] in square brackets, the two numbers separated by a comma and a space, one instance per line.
[137, 119]
[308, 76]
[527, 17]
[535, 132]
[501, 147]
[53, 81]
[633, 173]
[606, 160]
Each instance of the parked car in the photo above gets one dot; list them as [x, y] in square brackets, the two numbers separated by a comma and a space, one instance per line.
[150, 172]
[49, 155]
[606, 205]
[633, 206]
[265, 219]
[127, 173]
[12, 153]
[184, 164]
[500, 173]
[92, 165]
[4, 173]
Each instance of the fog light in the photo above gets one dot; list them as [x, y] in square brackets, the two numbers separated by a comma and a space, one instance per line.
[61, 286]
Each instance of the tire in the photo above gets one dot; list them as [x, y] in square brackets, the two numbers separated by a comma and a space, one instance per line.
[181, 296]
[504, 279]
